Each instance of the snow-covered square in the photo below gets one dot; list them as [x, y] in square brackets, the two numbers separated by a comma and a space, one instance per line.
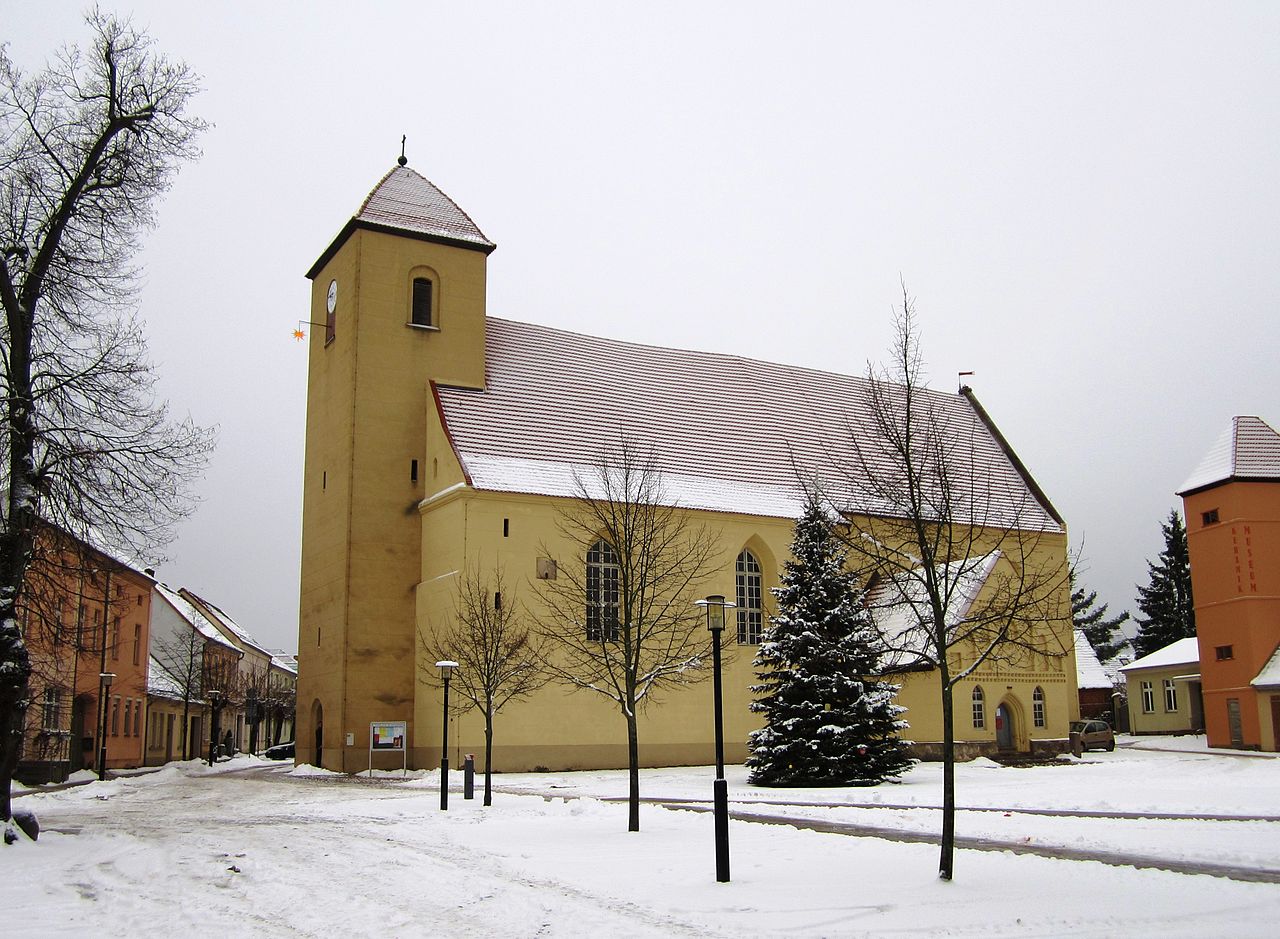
[255, 848]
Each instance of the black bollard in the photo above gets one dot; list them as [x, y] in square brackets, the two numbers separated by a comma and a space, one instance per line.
[469, 777]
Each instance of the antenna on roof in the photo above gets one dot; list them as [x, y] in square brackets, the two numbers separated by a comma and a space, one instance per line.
[960, 376]
[402, 159]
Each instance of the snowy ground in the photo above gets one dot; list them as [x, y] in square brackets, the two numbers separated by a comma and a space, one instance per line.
[255, 848]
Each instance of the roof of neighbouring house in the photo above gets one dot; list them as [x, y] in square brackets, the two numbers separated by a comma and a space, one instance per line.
[1180, 652]
[221, 618]
[406, 202]
[727, 433]
[159, 683]
[1090, 672]
[193, 616]
[1269, 677]
[1249, 450]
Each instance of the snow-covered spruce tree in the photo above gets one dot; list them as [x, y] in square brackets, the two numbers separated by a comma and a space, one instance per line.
[828, 720]
[1091, 619]
[1168, 610]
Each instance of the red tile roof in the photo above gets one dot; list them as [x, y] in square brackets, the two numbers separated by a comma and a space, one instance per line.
[728, 433]
[1249, 449]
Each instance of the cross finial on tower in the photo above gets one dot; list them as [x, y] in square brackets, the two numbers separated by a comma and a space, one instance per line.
[403, 159]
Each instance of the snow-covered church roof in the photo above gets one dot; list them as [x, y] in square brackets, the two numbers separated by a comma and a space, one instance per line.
[407, 203]
[727, 433]
[1249, 449]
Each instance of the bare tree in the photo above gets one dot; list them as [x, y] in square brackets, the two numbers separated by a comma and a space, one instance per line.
[499, 658]
[619, 614]
[223, 686]
[281, 704]
[179, 656]
[87, 145]
[966, 557]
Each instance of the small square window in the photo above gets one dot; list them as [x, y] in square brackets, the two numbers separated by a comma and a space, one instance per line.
[1210, 517]
[1224, 653]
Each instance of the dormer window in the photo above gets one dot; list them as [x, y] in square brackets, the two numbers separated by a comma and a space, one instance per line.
[422, 290]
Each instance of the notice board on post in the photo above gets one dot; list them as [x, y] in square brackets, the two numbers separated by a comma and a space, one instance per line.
[389, 735]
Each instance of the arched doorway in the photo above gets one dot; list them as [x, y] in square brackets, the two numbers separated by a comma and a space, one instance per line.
[317, 720]
[1006, 730]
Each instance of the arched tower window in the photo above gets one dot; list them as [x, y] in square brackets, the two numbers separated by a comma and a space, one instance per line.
[423, 289]
[602, 593]
[979, 708]
[1037, 707]
[750, 612]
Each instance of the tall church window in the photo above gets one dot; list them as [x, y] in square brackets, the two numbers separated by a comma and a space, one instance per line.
[750, 614]
[602, 593]
[1037, 707]
[979, 708]
[421, 312]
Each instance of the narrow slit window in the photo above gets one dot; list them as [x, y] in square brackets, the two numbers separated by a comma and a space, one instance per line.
[422, 289]
[506, 527]
[413, 471]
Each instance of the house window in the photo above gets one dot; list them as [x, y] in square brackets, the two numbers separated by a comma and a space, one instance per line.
[602, 593]
[128, 713]
[421, 302]
[1224, 653]
[750, 614]
[1210, 517]
[137, 644]
[49, 710]
[1148, 698]
[979, 709]
[115, 639]
[137, 716]
[115, 717]
[1170, 695]
[1037, 707]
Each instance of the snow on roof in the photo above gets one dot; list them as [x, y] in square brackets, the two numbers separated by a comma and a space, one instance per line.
[1269, 677]
[1090, 673]
[900, 607]
[192, 615]
[408, 201]
[1248, 449]
[1181, 652]
[728, 433]
[284, 660]
[159, 683]
[225, 621]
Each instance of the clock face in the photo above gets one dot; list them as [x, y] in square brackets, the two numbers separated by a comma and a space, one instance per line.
[331, 302]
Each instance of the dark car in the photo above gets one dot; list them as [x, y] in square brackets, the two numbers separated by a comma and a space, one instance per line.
[1086, 735]
[281, 751]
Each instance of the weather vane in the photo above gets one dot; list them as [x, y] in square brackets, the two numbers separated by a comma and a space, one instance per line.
[403, 159]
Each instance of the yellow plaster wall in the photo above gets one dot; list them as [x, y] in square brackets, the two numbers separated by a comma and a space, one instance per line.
[367, 405]
[563, 729]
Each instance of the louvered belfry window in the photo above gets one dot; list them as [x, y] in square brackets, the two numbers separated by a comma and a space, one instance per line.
[602, 593]
[422, 302]
[750, 612]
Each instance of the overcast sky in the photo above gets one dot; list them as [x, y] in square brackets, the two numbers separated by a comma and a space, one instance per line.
[1083, 199]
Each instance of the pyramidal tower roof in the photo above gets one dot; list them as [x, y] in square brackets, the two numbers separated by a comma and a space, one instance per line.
[1249, 449]
[405, 202]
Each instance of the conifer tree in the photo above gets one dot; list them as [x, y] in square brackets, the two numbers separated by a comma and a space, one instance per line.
[1166, 603]
[1092, 620]
[828, 720]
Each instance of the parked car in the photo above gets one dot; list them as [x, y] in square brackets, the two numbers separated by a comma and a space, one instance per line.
[1091, 735]
[281, 751]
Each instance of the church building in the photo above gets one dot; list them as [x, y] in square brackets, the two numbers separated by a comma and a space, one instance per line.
[441, 439]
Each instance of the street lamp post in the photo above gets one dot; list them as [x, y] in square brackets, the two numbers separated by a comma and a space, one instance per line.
[716, 606]
[104, 688]
[446, 669]
[214, 707]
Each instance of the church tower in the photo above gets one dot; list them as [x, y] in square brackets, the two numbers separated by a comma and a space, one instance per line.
[397, 302]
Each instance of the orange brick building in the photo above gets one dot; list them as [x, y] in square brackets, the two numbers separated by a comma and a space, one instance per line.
[84, 613]
[1232, 506]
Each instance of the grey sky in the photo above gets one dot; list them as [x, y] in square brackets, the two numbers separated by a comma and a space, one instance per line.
[1080, 198]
